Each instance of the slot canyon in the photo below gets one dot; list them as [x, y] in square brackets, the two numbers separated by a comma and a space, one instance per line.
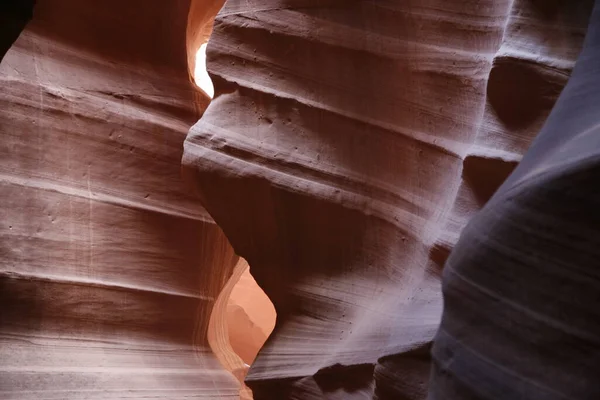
[300, 199]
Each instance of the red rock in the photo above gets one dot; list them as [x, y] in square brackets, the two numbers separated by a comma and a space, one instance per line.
[347, 146]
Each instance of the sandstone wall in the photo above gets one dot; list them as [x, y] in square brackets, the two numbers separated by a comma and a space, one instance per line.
[109, 266]
[348, 144]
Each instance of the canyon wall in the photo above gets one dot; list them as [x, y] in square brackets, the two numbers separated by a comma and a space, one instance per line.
[109, 266]
[348, 144]
[521, 305]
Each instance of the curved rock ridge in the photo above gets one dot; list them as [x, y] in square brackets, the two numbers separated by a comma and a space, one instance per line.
[347, 145]
[110, 267]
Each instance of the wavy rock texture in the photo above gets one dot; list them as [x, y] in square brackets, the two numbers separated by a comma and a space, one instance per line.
[109, 268]
[538, 51]
[348, 144]
[521, 305]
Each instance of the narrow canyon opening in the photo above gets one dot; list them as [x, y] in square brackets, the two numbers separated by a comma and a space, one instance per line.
[242, 319]
[243, 316]
[201, 77]
[250, 316]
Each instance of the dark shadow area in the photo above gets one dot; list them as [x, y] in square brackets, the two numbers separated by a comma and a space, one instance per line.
[520, 91]
[14, 15]
[439, 254]
[350, 378]
[484, 175]
[403, 376]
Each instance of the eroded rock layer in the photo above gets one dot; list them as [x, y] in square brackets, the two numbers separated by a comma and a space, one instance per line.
[109, 268]
[348, 144]
[521, 305]
[538, 51]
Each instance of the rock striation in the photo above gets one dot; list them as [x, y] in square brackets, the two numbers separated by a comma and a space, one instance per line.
[109, 266]
[347, 146]
[521, 286]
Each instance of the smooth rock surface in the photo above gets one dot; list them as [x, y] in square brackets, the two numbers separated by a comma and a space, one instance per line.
[109, 266]
[521, 288]
[348, 144]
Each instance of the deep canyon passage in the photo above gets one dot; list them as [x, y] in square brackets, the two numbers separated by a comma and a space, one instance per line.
[155, 230]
